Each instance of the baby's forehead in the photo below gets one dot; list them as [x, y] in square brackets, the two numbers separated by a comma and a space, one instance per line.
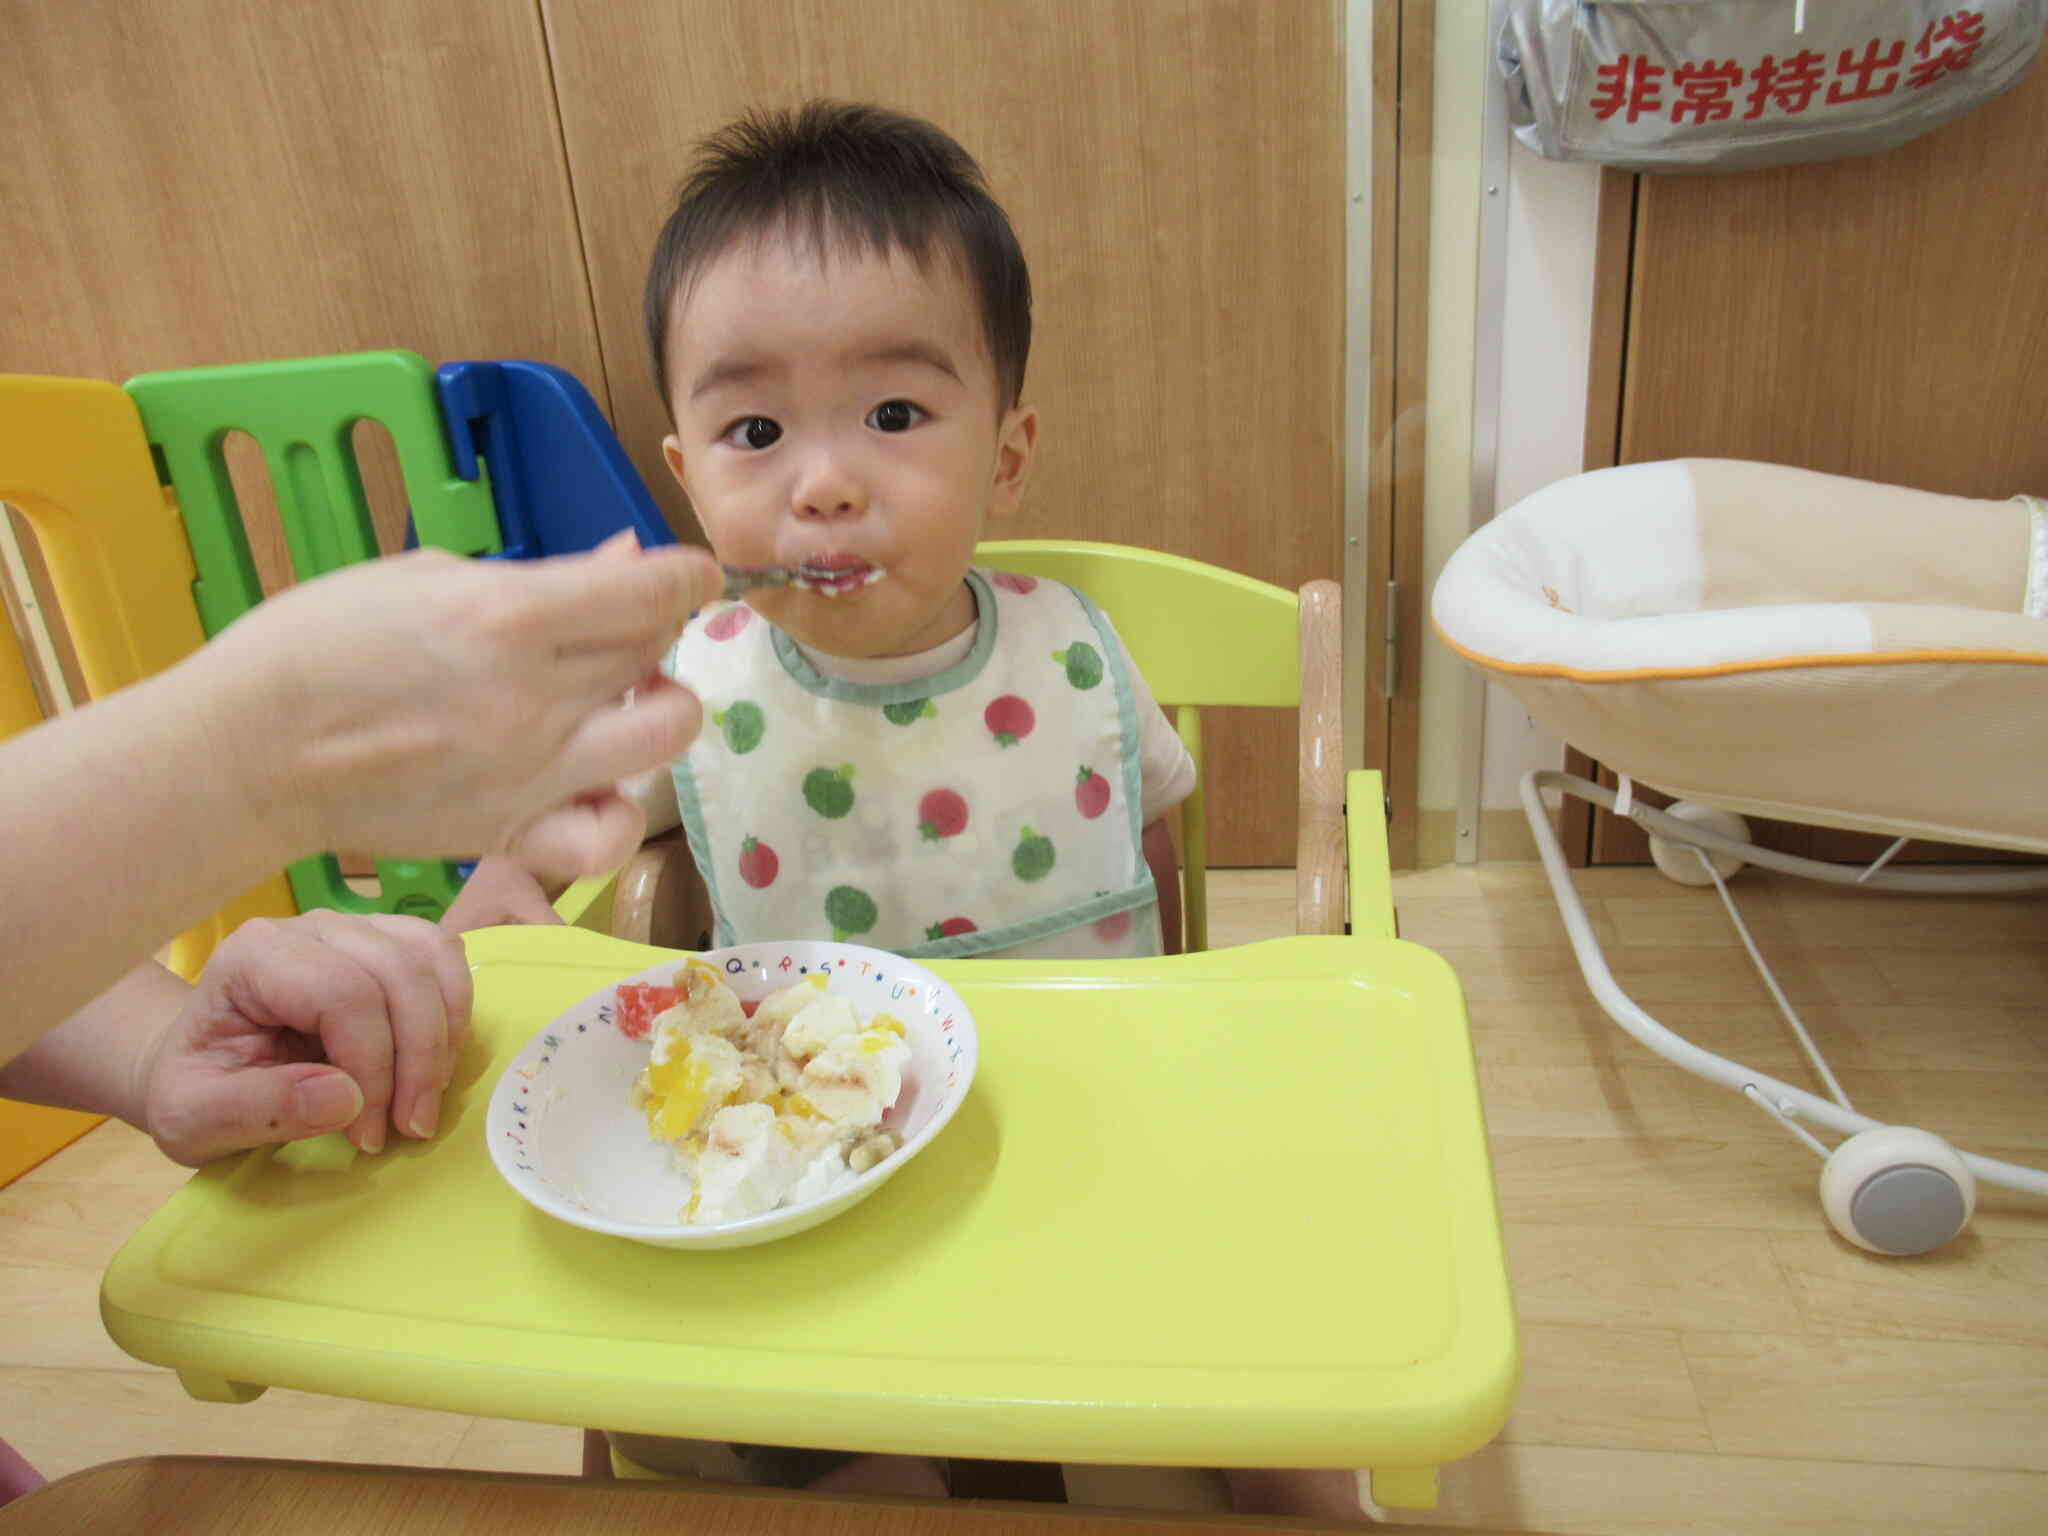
[837, 257]
[747, 283]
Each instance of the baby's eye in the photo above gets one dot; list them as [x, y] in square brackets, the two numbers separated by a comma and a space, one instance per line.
[896, 416]
[753, 432]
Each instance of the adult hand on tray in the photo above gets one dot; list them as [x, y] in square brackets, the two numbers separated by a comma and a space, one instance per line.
[310, 1024]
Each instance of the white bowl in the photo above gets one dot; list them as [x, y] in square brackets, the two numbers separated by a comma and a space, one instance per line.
[563, 1133]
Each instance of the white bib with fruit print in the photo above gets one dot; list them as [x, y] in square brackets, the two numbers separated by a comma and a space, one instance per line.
[990, 808]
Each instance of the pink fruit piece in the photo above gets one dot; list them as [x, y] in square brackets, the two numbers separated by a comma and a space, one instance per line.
[758, 864]
[1091, 793]
[1009, 719]
[942, 813]
[727, 622]
[640, 1004]
[1010, 581]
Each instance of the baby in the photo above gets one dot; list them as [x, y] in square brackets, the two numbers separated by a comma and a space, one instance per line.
[902, 749]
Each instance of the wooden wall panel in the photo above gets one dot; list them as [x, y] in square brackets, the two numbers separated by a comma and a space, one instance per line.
[222, 181]
[1882, 317]
[1175, 173]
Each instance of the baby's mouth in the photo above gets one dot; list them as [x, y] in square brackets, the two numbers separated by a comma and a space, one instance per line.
[837, 575]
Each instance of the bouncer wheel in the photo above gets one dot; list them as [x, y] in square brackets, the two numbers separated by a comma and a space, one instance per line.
[1681, 862]
[1897, 1190]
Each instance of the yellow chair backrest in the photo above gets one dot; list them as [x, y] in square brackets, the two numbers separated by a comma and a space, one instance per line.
[1200, 634]
[74, 462]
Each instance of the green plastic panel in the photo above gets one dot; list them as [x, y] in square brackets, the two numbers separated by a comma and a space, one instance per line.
[301, 413]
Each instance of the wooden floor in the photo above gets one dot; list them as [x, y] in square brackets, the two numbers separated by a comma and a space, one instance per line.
[1702, 1355]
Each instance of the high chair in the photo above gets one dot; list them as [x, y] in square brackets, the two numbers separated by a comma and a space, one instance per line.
[1201, 636]
[1367, 1323]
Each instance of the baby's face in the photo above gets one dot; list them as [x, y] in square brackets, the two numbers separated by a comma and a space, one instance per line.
[843, 413]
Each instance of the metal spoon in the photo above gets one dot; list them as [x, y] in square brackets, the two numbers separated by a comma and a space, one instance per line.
[743, 578]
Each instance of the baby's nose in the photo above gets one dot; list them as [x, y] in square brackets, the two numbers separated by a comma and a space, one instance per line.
[829, 489]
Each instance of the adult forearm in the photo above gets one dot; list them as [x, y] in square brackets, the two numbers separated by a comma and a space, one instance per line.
[95, 1059]
[119, 827]
[422, 706]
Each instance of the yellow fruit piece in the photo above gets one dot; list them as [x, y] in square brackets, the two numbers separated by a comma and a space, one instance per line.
[679, 1092]
[880, 1036]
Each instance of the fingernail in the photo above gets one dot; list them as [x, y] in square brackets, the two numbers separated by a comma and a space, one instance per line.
[426, 1115]
[331, 1099]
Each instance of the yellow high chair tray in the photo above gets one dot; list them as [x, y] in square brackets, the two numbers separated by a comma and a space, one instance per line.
[1221, 1209]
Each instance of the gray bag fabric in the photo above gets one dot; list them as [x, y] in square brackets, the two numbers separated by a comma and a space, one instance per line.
[1712, 85]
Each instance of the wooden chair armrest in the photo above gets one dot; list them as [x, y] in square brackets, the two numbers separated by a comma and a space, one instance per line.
[1319, 853]
[660, 898]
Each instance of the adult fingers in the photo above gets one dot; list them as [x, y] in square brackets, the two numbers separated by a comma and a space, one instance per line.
[586, 835]
[654, 727]
[400, 956]
[443, 952]
[599, 603]
[227, 1110]
[606, 673]
[283, 975]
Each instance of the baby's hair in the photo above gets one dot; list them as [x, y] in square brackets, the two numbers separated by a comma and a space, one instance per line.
[834, 174]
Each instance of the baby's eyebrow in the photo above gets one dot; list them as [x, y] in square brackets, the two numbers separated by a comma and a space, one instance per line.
[911, 351]
[728, 370]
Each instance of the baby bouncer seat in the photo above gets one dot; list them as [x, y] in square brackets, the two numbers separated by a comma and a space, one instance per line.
[1752, 638]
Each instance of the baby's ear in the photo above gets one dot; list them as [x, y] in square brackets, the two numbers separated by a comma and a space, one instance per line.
[672, 455]
[1015, 439]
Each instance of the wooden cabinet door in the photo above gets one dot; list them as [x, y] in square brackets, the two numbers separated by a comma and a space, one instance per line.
[228, 181]
[1174, 169]
[1884, 317]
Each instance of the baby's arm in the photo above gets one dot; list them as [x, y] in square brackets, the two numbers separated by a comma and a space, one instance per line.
[500, 890]
[1165, 867]
[506, 890]
[1166, 776]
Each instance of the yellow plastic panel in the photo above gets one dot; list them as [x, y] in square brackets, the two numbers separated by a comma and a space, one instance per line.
[74, 461]
[19, 707]
[588, 902]
[1370, 871]
[31, 1132]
